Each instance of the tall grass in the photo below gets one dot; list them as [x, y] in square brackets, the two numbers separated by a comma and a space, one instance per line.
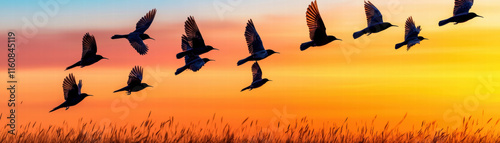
[217, 130]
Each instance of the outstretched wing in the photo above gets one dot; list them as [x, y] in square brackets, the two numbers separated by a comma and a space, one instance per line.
[143, 24]
[373, 15]
[411, 29]
[135, 76]
[138, 45]
[256, 72]
[193, 33]
[315, 23]
[253, 39]
[89, 46]
[462, 6]
[71, 90]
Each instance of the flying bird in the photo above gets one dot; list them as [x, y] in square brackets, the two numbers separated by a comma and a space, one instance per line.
[134, 82]
[411, 35]
[193, 62]
[72, 92]
[317, 29]
[375, 21]
[136, 38]
[194, 37]
[255, 46]
[89, 54]
[460, 13]
[257, 78]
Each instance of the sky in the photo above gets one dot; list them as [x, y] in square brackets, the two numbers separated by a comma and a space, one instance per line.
[438, 80]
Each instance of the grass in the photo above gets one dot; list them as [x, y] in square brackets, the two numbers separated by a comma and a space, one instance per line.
[215, 130]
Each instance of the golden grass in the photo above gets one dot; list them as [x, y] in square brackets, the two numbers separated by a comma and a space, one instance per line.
[215, 130]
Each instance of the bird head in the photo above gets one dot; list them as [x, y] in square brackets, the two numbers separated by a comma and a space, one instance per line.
[85, 95]
[475, 15]
[145, 85]
[270, 52]
[207, 59]
[145, 36]
[333, 38]
[211, 48]
[101, 57]
[422, 38]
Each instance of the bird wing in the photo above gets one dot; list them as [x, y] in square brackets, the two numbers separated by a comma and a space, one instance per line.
[138, 45]
[410, 28]
[71, 90]
[89, 46]
[462, 6]
[135, 76]
[144, 23]
[193, 33]
[256, 72]
[373, 15]
[253, 39]
[186, 46]
[315, 22]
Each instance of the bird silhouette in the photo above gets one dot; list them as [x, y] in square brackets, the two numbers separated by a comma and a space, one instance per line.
[255, 46]
[193, 62]
[72, 92]
[257, 78]
[134, 82]
[194, 37]
[317, 29]
[460, 13]
[375, 21]
[136, 38]
[411, 35]
[89, 56]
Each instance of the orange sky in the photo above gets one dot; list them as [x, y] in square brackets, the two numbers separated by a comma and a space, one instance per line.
[320, 83]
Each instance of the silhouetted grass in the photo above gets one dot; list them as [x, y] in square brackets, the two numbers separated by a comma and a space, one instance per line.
[215, 130]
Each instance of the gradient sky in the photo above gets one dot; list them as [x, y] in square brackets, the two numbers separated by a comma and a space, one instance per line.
[322, 83]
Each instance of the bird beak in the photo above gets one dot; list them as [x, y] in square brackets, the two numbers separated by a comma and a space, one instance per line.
[153, 39]
[339, 39]
[150, 86]
[395, 25]
[90, 95]
[216, 49]
[210, 60]
[480, 16]
[277, 52]
[426, 39]
[105, 58]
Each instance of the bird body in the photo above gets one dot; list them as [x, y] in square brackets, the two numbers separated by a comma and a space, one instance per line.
[137, 37]
[89, 55]
[375, 21]
[192, 62]
[255, 46]
[72, 93]
[411, 34]
[193, 36]
[461, 13]
[134, 82]
[258, 81]
[317, 29]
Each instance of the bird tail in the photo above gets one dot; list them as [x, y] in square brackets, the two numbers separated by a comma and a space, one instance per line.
[306, 45]
[122, 89]
[358, 34]
[243, 61]
[119, 36]
[60, 106]
[180, 70]
[72, 66]
[181, 54]
[245, 88]
[399, 45]
[443, 22]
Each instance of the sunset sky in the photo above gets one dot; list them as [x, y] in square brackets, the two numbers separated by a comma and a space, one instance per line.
[323, 83]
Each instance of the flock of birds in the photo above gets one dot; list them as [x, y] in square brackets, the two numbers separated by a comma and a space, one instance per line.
[193, 45]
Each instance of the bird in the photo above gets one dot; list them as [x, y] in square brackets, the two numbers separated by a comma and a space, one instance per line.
[411, 35]
[89, 55]
[194, 36]
[72, 92]
[257, 78]
[461, 13]
[193, 62]
[134, 82]
[375, 21]
[317, 29]
[255, 46]
[136, 37]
